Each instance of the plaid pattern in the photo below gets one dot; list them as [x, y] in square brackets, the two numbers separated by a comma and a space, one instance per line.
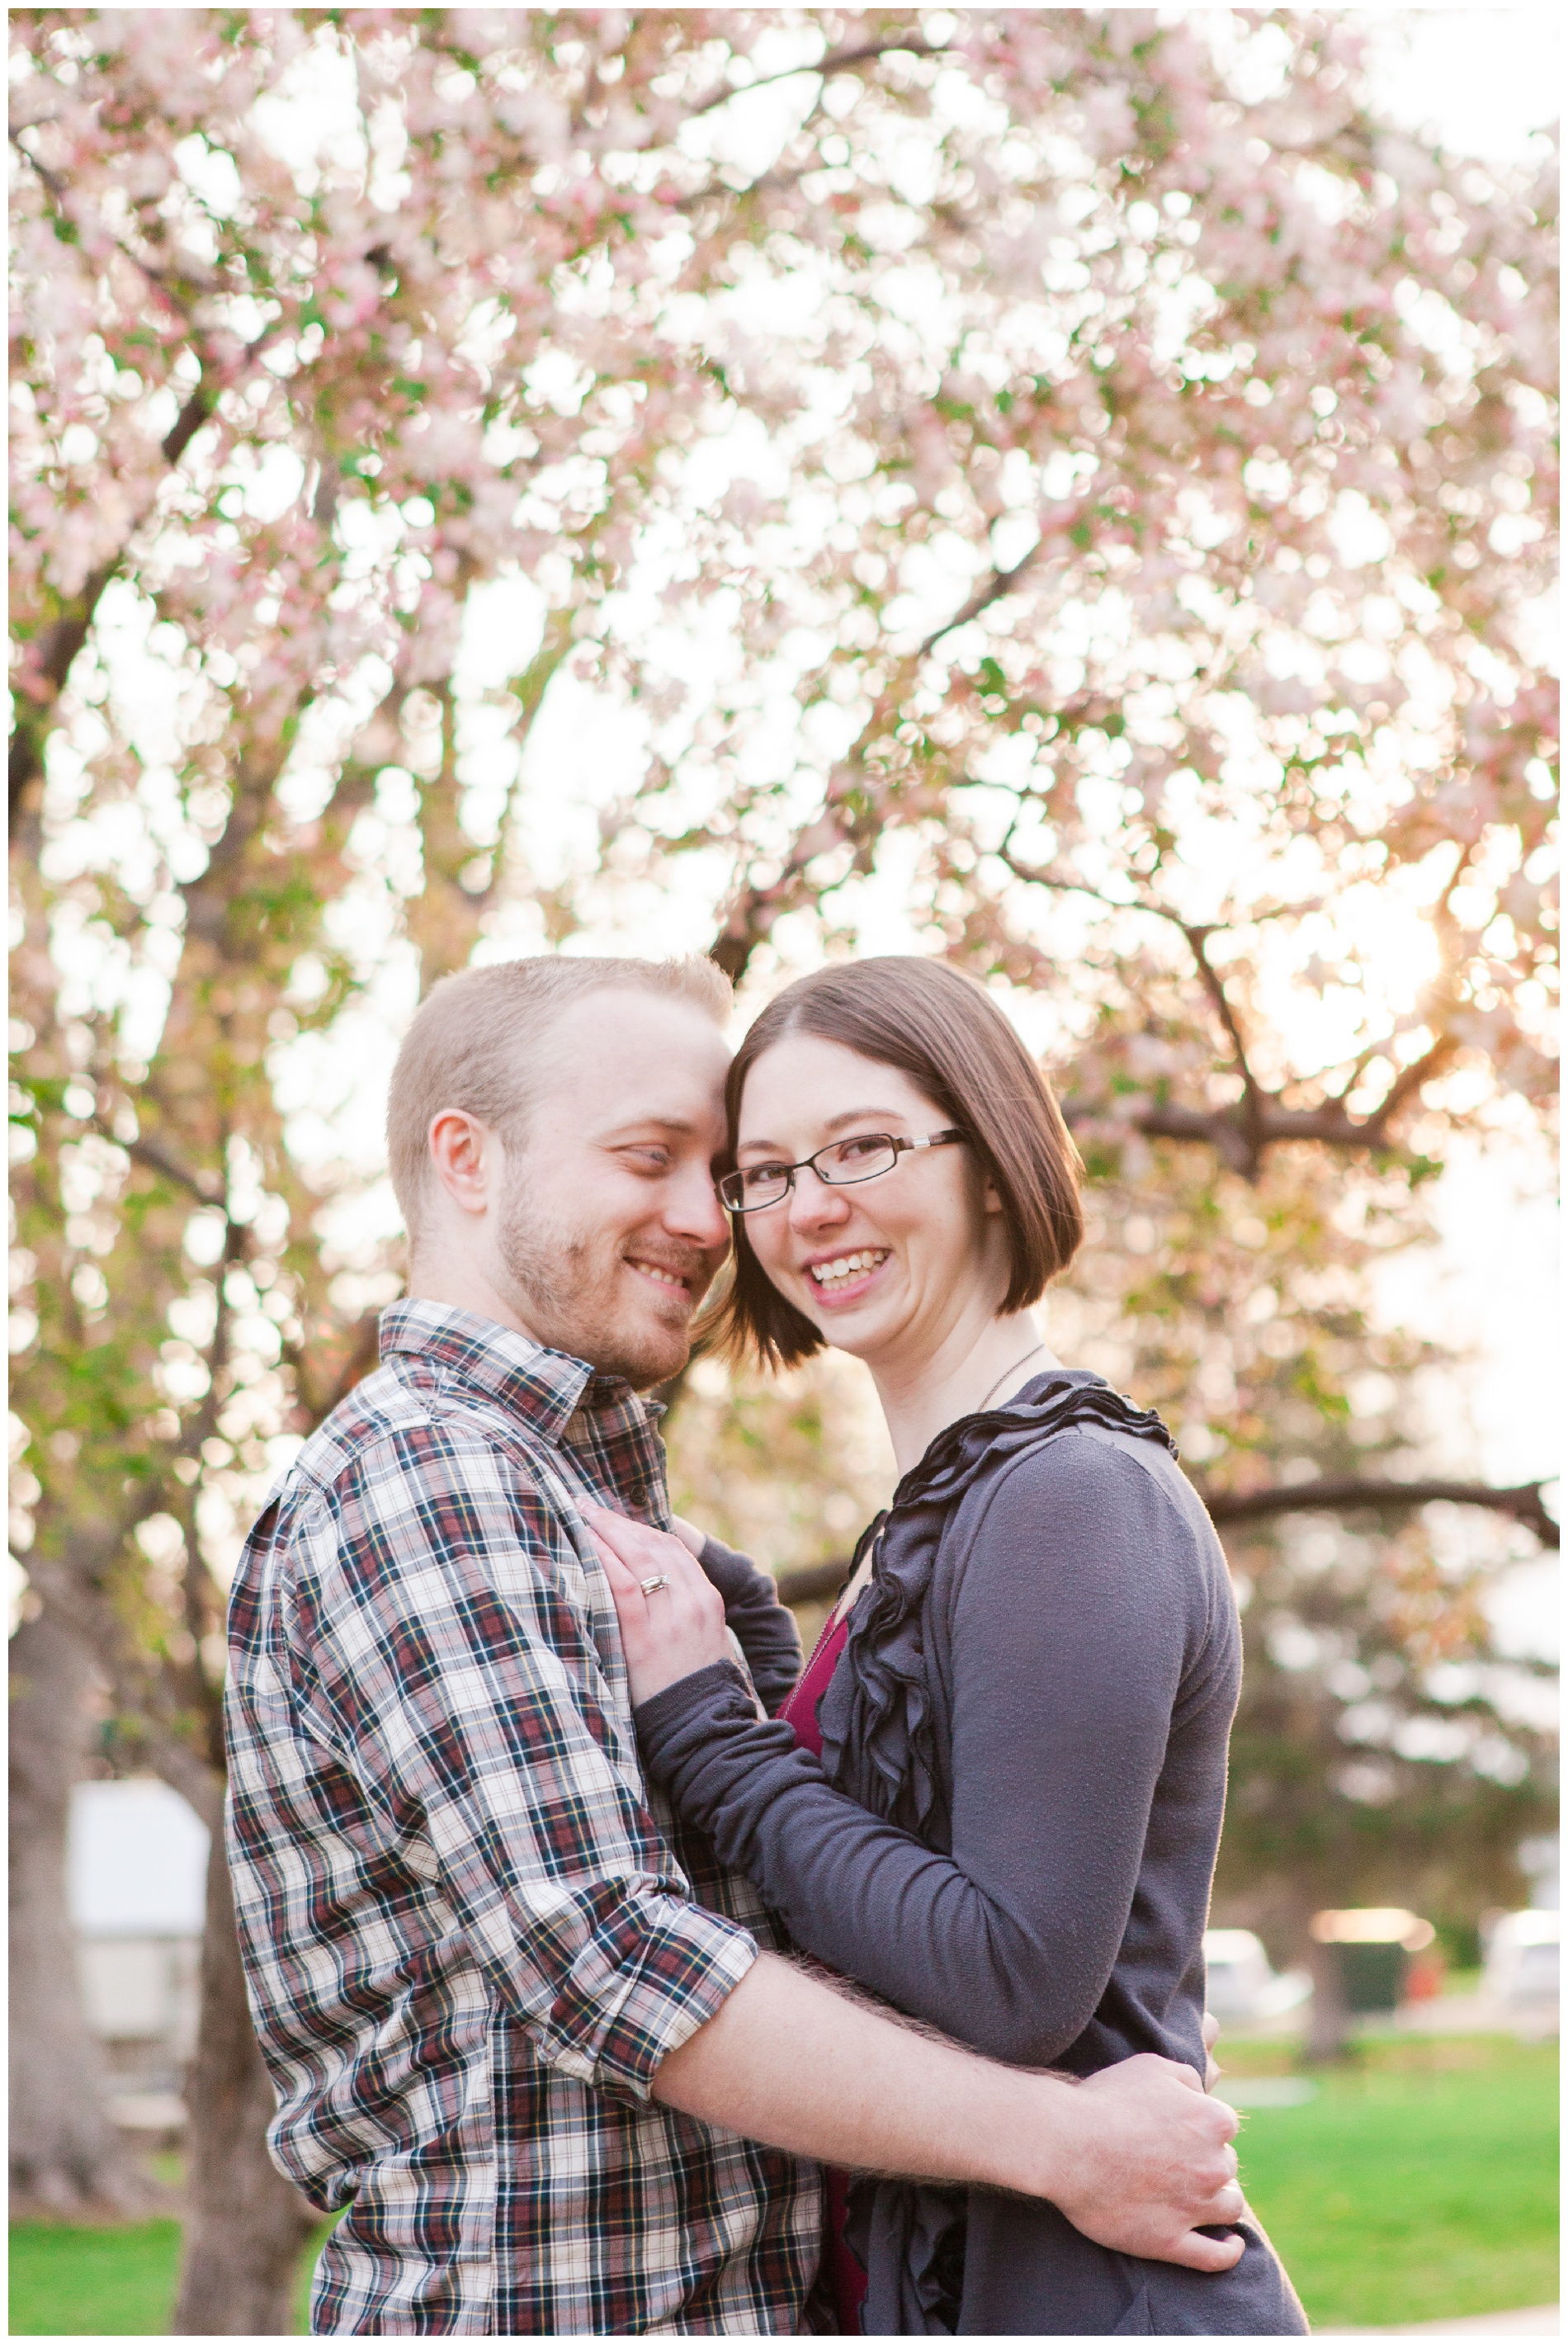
[471, 1931]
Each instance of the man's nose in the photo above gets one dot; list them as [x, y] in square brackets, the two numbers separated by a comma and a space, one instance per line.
[695, 1210]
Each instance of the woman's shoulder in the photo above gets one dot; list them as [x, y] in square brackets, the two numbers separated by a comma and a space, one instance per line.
[1100, 1524]
[1104, 1477]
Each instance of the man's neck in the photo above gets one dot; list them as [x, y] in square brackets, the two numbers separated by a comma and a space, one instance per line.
[463, 1286]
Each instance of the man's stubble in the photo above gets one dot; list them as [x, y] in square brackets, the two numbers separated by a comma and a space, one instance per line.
[569, 1293]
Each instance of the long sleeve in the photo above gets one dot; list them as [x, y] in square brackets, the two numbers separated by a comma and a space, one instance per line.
[1082, 1625]
[764, 1626]
[438, 1660]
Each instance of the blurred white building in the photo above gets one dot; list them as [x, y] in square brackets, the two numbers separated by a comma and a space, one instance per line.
[1243, 1989]
[135, 1856]
[1522, 1972]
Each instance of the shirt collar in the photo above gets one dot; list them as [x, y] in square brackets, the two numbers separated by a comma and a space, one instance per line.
[545, 1387]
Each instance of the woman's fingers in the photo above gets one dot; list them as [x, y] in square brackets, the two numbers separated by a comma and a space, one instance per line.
[631, 1604]
[652, 1554]
[643, 1551]
[634, 1542]
[675, 1628]
[624, 1584]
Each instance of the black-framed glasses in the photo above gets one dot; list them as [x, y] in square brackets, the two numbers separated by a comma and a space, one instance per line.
[866, 1156]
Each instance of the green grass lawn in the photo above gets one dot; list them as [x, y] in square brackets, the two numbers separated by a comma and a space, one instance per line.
[118, 2281]
[1419, 2185]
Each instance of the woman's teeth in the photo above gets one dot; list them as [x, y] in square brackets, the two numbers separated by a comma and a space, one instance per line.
[847, 1266]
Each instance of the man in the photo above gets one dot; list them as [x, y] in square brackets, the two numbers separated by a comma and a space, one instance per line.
[528, 2034]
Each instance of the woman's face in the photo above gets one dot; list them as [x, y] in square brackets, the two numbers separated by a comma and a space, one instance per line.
[886, 1267]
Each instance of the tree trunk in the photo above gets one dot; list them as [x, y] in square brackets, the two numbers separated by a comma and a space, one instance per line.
[245, 2226]
[66, 2157]
[1329, 2023]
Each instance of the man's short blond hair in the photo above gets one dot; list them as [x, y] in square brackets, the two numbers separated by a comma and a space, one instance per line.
[480, 1039]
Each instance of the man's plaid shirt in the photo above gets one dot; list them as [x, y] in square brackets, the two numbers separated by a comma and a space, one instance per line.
[471, 1931]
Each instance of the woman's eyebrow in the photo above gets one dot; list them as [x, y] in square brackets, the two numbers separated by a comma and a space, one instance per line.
[865, 1115]
[877, 1115]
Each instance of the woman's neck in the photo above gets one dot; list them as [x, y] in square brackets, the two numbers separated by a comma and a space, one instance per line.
[971, 1369]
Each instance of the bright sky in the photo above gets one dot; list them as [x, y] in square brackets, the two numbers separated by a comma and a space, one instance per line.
[1482, 78]
[1485, 79]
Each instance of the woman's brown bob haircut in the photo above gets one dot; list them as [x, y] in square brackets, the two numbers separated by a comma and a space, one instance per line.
[945, 1032]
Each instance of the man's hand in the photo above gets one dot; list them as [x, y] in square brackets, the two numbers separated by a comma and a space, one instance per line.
[1152, 2160]
[1136, 2158]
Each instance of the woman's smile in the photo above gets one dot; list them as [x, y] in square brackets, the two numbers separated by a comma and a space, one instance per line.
[845, 1274]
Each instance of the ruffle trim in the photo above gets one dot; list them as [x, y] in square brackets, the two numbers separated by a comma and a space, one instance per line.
[878, 1743]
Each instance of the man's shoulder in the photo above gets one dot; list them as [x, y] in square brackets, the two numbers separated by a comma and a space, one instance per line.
[401, 1469]
[395, 1426]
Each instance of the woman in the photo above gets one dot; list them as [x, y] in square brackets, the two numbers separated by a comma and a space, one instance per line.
[994, 1796]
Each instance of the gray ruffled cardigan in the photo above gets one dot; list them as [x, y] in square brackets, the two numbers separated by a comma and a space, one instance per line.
[1012, 1831]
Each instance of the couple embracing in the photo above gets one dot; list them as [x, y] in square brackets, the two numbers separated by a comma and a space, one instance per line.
[616, 1974]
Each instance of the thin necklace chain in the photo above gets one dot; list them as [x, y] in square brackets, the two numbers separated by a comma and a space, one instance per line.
[1002, 1379]
[864, 1573]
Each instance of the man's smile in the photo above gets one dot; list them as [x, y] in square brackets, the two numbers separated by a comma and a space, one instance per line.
[671, 1280]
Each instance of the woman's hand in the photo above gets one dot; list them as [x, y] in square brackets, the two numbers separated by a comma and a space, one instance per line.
[675, 1628]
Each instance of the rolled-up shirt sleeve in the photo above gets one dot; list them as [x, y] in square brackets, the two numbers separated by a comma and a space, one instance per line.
[446, 1660]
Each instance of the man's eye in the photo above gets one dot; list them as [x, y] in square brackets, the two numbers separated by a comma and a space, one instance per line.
[650, 1159]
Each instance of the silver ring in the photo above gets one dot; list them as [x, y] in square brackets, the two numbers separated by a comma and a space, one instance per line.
[651, 1586]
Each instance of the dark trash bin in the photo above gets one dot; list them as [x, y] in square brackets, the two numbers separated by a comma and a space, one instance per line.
[1371, 1977]
[1370, 1947]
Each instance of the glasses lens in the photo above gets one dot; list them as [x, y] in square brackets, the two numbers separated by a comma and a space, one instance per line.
[756, 1184]
[857, 1159]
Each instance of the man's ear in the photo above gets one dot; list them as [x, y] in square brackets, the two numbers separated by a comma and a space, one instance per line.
[463, 1156]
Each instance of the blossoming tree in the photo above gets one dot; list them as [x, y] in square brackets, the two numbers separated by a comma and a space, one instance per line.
[1076, 477]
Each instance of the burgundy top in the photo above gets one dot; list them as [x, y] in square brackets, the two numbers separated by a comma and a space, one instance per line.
[845, 2277]
[800, 1709]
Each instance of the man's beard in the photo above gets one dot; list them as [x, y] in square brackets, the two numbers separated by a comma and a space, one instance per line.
[570, 1294]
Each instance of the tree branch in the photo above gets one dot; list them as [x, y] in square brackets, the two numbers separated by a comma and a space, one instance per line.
[1000, 583]
[1240, 1133]
[1343, 1493]
[202, 1187]
[753, 910]
[1241, 1140]
[818, 1580]
[1214, 985]
[36, 719]
[1407, 1084]
[1346, 1493]
[836, 61]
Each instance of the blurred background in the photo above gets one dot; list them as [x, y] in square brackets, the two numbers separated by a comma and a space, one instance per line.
[1071, 490]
